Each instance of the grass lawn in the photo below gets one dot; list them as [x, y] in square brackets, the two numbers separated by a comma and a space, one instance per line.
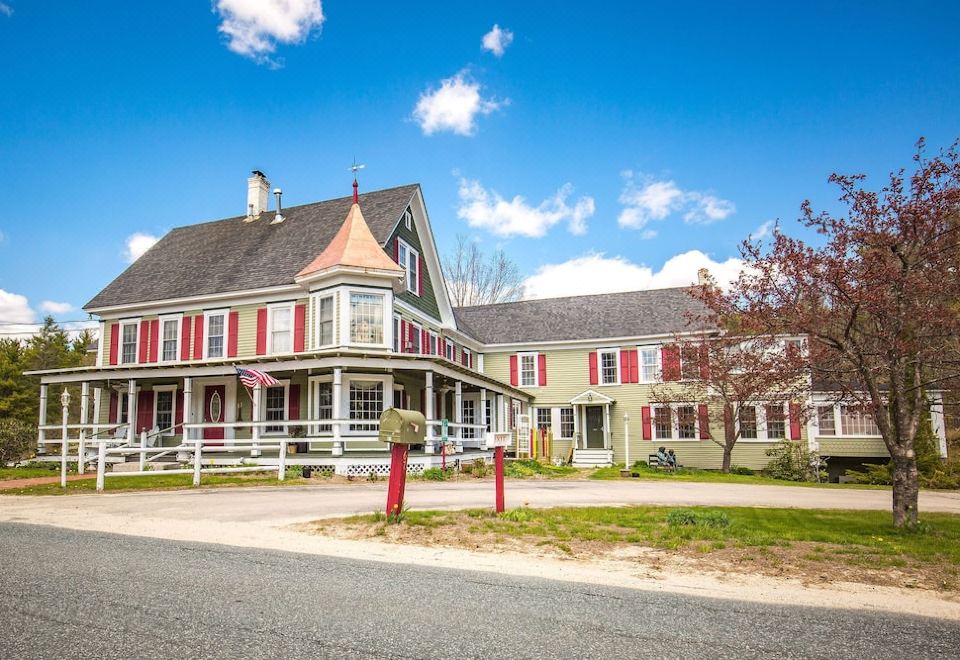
[30, 472]
[842, 545]
[159, 481]
[712, 476]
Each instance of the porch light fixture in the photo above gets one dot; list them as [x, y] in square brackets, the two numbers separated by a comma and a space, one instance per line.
[590, 396]
[65, 398]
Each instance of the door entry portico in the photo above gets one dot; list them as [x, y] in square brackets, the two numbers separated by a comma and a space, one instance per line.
[595, 431]
[591, 415]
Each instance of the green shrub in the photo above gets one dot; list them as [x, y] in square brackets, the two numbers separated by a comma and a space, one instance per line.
[695, 518]
[739, 469]
[480, 468]
[520, 514]
[435, 474]
[792, 461]
[17, 441]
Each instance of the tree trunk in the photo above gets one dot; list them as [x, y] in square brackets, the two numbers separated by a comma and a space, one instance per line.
[727, 452]
[906, 490]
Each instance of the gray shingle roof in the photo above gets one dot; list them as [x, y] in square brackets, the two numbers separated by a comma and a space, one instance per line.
[231, 255]
[631, 314]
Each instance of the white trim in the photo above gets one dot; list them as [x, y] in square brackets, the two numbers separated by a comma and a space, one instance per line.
[418, 331]
[674, 422]
[100, 343]
[136, 347]
[594, 342]
[410, 250]
[658, 351]
[348, 378]
[236, 298]
[225, 312]
[346, 338]
[616, 364]
[584, 399]
[173, 407]
[536, 366]
[316, 299]
[178, 319]
[762, 431]
[289, 305]
[414, 311]
[428, 245]
[285, 384]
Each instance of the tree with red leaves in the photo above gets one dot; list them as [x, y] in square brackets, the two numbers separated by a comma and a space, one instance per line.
[878, 300]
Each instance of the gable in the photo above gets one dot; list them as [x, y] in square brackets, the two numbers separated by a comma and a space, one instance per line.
[233, 255]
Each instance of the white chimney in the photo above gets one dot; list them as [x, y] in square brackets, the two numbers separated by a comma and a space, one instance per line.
[258, 194]
[703, 277]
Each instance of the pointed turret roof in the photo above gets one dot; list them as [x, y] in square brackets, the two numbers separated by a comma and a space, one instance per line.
[353, 247]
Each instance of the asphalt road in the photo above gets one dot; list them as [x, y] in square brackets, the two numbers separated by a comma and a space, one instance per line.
[66, 594]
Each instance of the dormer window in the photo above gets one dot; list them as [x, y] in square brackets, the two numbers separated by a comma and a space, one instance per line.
[409, 259]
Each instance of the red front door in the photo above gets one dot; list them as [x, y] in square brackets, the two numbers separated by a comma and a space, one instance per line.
[214, 409]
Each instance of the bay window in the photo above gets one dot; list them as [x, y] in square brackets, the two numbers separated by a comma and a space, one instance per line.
[855, 420]
[826, 422]
[366, 318]
[324, 311]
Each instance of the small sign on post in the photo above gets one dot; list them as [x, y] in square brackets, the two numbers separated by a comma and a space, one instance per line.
[498, 441]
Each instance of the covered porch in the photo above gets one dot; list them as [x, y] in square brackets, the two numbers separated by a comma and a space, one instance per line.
[592, 433]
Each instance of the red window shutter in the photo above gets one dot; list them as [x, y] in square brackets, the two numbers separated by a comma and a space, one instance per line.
[403, 336]
[670, 355]
[634, 366]
[411, 333]
[262, 331]
[154, 339]
[794, 420]
[514, 379]
[232, 334]
[299, 328]
[198, 337]
[185, 338]
[647, 424]
[704, 415]
[144, 338]
[294, 402]
[625, 366]
[114, 407]
[178, 419]
[425, 342]
[704, 357]
[420, 275]
[594, 376]
[114, 345]
[542, 369]
[145, 411]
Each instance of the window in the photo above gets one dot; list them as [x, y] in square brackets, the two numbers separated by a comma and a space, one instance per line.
[366, 318]
[409, 259]
[854, 420]
[687, 422]
[324, 405]
[276, 407]
[366, 404]
[826, 420]
[280, 328]
[414, 340]
[793, 347]
[396, 334]
[449, 351]
[408, 220]
[325, 321]
[566, 422]
[216, 327]
[128, 342]
[467, 358]
[543, 419]
[776, 422]
[662, 427]
[748, 422]
[469, 417]
[488, 408]
[528, 369]
[649, 364]
[609, 369]
[122, 408]
[433, 344]
[169, 340]
[164, 409]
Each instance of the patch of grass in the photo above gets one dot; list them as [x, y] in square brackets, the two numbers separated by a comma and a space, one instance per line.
[525, 468]
[643, 471]
[157, 481]
[698, 518]
[31, 471]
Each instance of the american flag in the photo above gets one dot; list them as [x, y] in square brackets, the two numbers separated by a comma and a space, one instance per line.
[250, 377]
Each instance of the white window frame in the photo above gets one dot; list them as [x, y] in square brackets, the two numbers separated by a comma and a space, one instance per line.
[536, 365]
[318, 299]
[346, 316]
[761, 430]
[178, 321]
[418, 333]
[397, 339]
[449, 349]
[786, 421]
[207, 314]
[573, 422]
[466, 352]
[536, 418]
[136, 340]
[348, 379]
[285, 384]
[412, 280]
[272, 308]
[408, 219]
[657, 366]
[616, 366]
[434, 341]
[173, 407]
[675, 422]
[313, 408]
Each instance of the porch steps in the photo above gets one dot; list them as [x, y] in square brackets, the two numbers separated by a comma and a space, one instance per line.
[590, 458]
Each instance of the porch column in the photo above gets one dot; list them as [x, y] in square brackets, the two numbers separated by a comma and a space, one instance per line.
[84, 410]
[576, 426]
[255, 416]
[131, 411]
[97, 395]
[428, 411]
[483, 418]
[337, 411]
[187, 408]
[458, 413]
[499, 418]
[607, 430]
[42, 434]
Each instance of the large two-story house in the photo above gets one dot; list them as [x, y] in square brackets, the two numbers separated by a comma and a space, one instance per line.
[343, 302]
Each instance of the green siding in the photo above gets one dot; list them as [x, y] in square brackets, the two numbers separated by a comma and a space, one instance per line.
[427, 303]
[852, 447]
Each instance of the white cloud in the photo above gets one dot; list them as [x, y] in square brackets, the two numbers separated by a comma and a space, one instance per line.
[51, 307]
[16, 316]
[453, 106]
[486, 209]
[497, 40]
[597, 273]
[6, 9]
[137, 244]
[762, 231]
[254, 27]
[645, 199]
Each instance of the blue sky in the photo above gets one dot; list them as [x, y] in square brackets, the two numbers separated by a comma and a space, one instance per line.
[643, 139]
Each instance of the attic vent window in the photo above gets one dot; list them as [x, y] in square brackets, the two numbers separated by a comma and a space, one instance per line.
[408, 220]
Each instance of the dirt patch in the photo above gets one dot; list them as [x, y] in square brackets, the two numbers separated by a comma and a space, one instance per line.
[810, 563]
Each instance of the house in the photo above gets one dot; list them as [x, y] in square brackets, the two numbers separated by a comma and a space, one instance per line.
[343, 302]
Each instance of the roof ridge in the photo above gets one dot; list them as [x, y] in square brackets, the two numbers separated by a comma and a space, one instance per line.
[581, 295]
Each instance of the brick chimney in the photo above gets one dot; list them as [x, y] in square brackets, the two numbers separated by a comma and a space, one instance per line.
[258, 194]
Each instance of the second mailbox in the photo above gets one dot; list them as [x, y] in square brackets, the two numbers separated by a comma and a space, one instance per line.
[404, 427]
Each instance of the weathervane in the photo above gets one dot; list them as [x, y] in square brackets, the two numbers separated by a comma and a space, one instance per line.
[356, 167]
